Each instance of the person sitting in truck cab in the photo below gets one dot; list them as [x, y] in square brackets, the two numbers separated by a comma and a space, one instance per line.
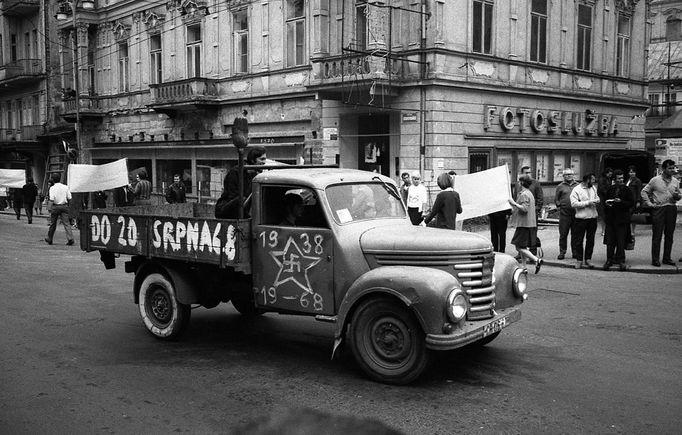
[293, 209]
[228, 205]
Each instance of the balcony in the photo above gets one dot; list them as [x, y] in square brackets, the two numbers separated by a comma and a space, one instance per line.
[22, 134]
[90, 107]
[360, 72]
[22, 72]
[184, 95]
[21, 8]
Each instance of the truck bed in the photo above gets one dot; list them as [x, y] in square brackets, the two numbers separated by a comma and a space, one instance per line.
[186, 232]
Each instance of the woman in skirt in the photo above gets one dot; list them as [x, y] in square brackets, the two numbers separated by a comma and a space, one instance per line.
[526, 231]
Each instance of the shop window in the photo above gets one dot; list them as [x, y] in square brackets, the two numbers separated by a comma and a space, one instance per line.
[559, 166]
[623, 46]
[295, 33]
[479, 161]
[538, 31]
[241, 41]
[542, 167]
[193, 51]
[584, 44]
[211, 176]
[165, 169]
[483, 26]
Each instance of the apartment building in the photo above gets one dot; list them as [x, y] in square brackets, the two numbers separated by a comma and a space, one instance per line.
[389, 86]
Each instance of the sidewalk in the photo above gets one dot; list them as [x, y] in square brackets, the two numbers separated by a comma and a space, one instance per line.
[638, 259]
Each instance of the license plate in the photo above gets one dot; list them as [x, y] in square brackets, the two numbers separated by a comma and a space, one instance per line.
[495, 326]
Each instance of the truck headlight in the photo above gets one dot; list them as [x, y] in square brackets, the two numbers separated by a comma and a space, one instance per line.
[457, 306]
[521, 283]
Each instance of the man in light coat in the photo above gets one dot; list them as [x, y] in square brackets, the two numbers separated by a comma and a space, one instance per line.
[584, 200]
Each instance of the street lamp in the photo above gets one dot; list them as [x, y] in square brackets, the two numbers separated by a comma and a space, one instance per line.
[63, 16]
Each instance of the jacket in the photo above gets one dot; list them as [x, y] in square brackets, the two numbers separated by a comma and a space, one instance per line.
[584, 200]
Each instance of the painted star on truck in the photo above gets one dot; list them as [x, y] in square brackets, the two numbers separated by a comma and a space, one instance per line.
[293, 265]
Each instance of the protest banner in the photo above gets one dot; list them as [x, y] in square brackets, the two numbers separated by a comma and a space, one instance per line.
[92, 178]
[12, 178]
[483, 192]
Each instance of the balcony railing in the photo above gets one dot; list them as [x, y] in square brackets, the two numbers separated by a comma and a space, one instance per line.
[22, 69]
[356, 67]
[19, 7]
[184, 91]
[24, 133]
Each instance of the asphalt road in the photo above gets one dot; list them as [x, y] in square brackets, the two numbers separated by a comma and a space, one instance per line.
[594, 352]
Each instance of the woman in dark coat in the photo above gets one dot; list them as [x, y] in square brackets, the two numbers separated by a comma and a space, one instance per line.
[447, 205]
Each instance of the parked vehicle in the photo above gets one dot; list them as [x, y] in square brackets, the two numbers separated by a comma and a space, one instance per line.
[396, 292]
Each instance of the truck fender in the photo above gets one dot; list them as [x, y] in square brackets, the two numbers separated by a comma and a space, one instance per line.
[185, 288]
[423, 289]
[505, 297]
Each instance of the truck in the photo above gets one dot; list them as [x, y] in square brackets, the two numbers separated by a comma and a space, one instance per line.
[394, 291]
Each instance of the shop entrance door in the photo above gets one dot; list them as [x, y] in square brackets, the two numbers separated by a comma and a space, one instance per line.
[374, 144]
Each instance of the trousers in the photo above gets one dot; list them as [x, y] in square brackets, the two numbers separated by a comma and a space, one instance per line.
[60, 212]
[584, 229]
[662, 224]
[566, 224]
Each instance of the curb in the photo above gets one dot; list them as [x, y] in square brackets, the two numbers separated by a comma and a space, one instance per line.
[635, 269]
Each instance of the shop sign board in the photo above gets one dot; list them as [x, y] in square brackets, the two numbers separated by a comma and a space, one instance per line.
[521, 120]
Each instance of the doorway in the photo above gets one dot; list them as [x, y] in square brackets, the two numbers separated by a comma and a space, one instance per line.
[374, 144]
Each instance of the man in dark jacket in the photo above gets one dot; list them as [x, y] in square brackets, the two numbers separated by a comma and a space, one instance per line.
[562, 199]
[30, 192]
[617, 203]
[175, 194]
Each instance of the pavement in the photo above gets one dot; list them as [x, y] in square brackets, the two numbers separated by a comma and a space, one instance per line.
[638, 260]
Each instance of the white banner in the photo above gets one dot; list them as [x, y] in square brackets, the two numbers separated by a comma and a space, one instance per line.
[12, 178]
[92, 178]
[483, 192]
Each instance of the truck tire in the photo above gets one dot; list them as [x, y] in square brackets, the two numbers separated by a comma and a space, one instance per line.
[388, 342]
[161, 312]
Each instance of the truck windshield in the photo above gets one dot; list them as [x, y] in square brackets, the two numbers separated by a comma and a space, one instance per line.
[362, 201]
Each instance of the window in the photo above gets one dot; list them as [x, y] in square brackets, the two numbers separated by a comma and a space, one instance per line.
[623, 46]
[193, 51]
[241, 42]
[355, 202]
[670, 102]
[278, 207]
[483, 26]
[654, 102]
[91, 70]
[20, 114]
[584, 44]
[295, 33]
[361, 25]
[2, 61]
[538, 31]
[672, 28]
[35, 110]
[165, 169]
[13, 48]
[123, 68]
[155, 49]
[27, 46]
[35, 45]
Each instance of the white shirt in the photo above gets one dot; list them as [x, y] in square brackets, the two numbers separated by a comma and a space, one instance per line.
[59, 194]
[416, 196]
[582, 200]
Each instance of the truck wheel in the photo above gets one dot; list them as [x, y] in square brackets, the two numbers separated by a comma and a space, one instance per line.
[245, 305]
[161, 312]
[388, 342]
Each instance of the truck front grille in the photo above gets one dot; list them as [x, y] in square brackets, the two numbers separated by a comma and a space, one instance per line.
[474, 271]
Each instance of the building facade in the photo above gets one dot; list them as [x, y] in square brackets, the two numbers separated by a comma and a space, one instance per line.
[389, 86]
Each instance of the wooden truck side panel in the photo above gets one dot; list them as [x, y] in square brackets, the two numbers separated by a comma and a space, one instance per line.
[165, 233]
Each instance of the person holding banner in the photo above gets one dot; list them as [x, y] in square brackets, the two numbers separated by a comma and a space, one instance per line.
[59, 198]
[525, 219]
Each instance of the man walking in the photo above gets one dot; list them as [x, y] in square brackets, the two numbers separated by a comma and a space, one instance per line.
[30, 192]
[617, 202]
[59, 197]
[661, 194]
[562, 199]
[584, 200]
[176, 191]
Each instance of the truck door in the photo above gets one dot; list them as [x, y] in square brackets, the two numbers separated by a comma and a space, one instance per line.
[292, 252]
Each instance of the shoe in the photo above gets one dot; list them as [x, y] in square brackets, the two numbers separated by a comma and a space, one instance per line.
[30, 221]
[588, 264]
[669, 262]
[69, 243]
[623, 267]
[538, 265]
[561, 256]
[49, 242]
[578, 264]
[607, 265]
[656, 263]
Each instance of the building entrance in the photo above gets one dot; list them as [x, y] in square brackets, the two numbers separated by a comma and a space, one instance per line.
[374, 144]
